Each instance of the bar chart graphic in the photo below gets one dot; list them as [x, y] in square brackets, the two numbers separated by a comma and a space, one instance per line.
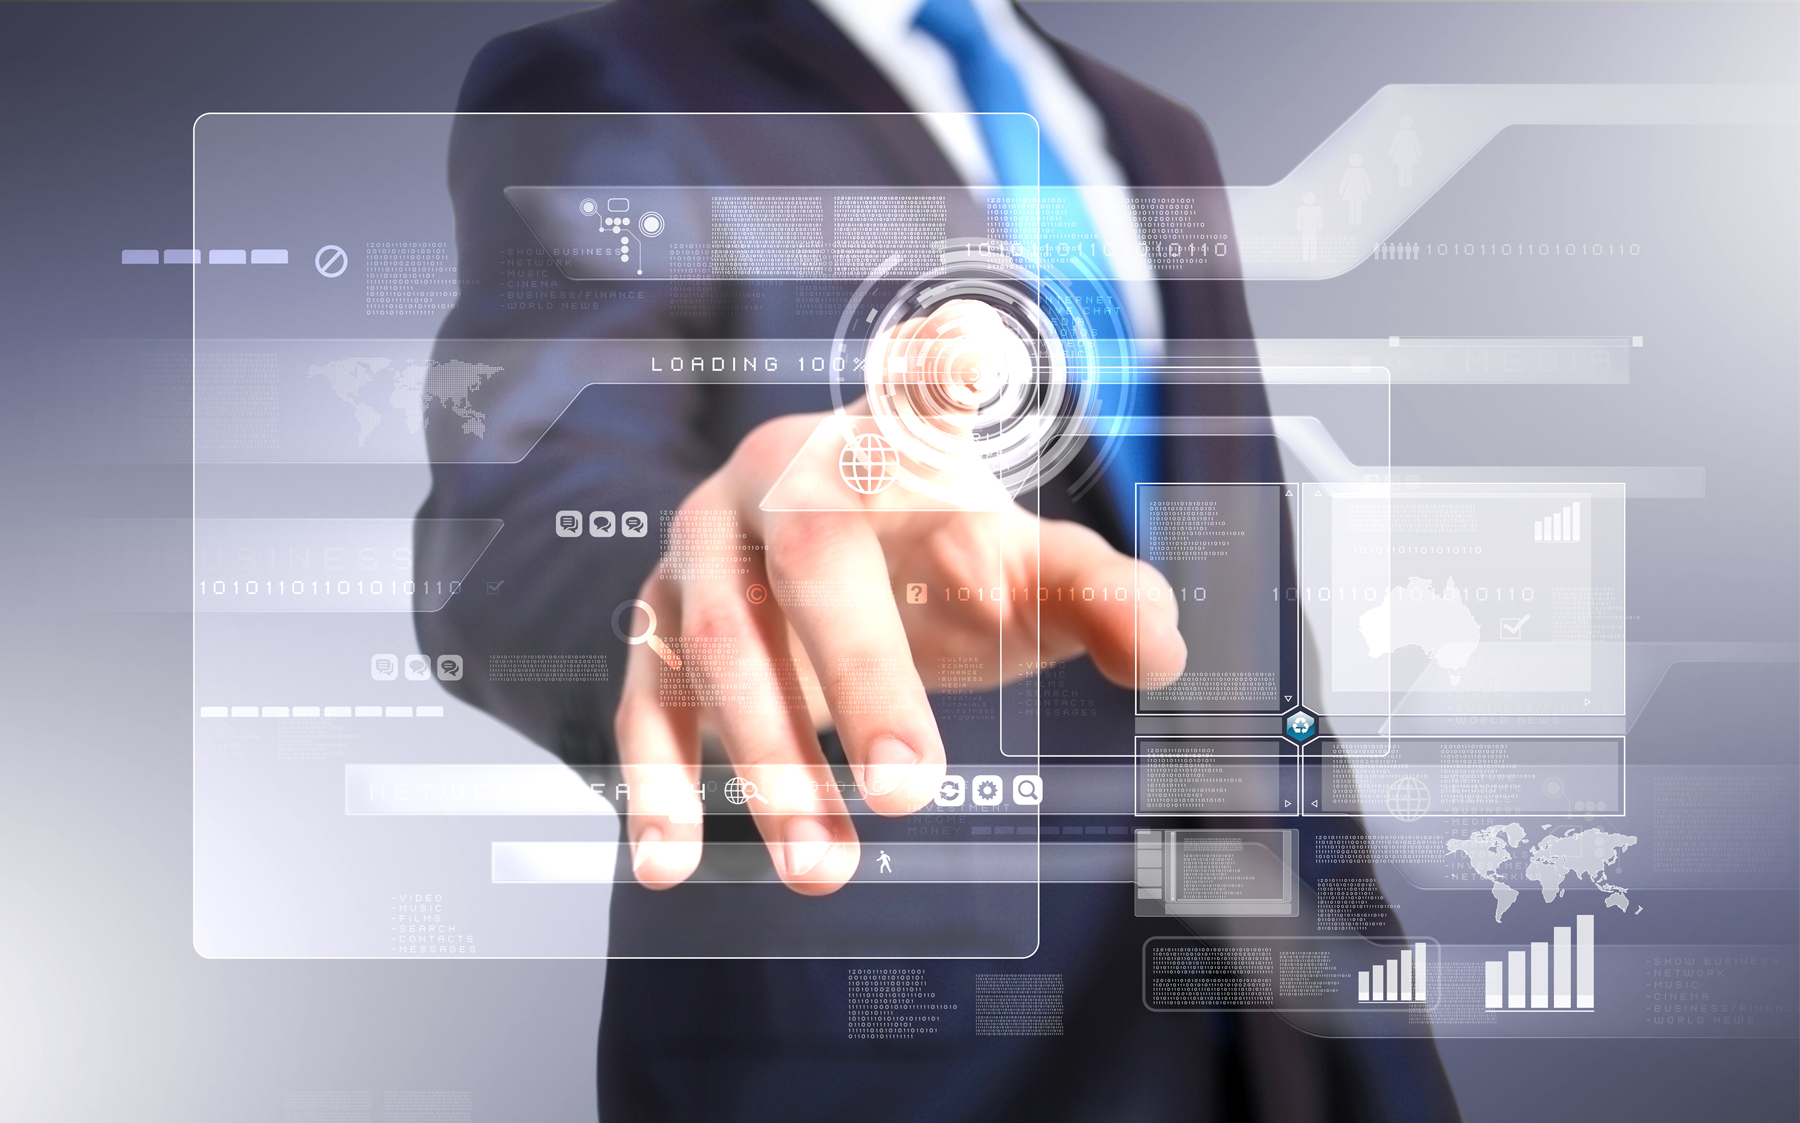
[1395, 980]
[1557, 974]
[1559, 526]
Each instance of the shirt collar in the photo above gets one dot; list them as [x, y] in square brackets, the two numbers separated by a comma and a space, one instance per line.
[879, 21]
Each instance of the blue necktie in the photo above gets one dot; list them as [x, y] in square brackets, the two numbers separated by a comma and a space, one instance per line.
[1020, 160]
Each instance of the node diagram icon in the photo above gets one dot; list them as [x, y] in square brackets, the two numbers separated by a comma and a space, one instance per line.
[616, 223]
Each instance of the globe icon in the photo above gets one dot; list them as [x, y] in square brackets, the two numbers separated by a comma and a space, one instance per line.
[869, 464]
[1408, 798]
[739, 790]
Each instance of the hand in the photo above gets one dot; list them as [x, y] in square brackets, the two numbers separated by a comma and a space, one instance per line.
[830, 644]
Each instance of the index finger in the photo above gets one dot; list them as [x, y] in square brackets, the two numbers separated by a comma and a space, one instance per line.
[830, 574]
[1119, 631]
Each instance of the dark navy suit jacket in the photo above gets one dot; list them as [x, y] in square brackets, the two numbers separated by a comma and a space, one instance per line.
[766, 1039]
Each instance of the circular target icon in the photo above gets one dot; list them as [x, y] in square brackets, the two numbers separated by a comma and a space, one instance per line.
[1016, 423]
[650, 224]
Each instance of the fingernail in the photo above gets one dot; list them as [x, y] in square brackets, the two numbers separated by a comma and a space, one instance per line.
[807, 841]
[887, 765]
[647, 841]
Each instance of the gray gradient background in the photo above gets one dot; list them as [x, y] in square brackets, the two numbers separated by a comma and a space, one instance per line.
[105, 1010]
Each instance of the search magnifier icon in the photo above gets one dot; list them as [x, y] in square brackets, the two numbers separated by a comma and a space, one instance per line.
[741, 791]
[662, 649]
[1027, 790]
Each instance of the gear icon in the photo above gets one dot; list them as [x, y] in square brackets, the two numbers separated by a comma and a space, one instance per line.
[988, 791]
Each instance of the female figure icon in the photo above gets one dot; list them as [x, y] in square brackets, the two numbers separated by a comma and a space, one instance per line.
[1355, 187]
[1405, 150]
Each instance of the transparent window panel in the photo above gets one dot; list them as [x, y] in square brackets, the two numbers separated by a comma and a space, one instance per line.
[1443, 599]
[443, 442]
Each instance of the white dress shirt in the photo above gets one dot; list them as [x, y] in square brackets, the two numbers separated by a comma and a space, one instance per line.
[925, 74]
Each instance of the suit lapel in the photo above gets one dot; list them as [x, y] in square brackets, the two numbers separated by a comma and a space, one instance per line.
[1157, 143]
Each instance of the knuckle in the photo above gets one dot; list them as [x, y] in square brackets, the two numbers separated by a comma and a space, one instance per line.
[802, 537]
[713, 622]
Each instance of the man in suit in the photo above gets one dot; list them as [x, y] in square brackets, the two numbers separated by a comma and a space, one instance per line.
[765, 1038]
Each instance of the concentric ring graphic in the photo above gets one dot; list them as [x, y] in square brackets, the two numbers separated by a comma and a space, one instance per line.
[1012, 396]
